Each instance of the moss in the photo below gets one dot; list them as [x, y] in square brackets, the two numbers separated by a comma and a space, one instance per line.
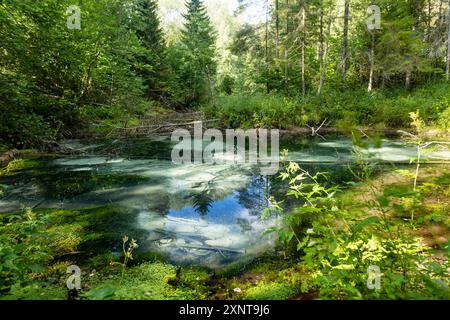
[148, 281]
[84, 237]
[271, 291]
[266, 273]
[196, 279]
[87, 237]
[91, 232]
[18, 165]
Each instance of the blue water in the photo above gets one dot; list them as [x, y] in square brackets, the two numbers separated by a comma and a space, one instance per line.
[203, 214]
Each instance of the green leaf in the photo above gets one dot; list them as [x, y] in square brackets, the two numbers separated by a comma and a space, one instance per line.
[363, 224]
[104, 292]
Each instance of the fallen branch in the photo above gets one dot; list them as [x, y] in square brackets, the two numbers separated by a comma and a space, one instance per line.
[316, 131]
[165, 125]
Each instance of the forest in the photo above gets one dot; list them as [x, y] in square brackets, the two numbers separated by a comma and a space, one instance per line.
[91, 90]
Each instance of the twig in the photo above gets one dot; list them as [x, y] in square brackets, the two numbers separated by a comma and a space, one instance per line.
[316, 131]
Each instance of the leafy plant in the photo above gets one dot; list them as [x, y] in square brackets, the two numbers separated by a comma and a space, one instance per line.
[127, 251]
[317, 200]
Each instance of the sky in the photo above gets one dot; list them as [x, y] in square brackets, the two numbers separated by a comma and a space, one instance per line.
[221, 13]
[170, 11]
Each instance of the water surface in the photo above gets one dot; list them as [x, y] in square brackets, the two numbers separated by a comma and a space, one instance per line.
[205, 215]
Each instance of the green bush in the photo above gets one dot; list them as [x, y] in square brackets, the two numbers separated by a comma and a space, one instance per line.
[352, 107]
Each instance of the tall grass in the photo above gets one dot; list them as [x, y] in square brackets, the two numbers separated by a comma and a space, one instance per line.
[349, 107]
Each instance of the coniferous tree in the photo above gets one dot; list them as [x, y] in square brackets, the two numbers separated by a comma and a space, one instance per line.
[197, 69]
[152, 62]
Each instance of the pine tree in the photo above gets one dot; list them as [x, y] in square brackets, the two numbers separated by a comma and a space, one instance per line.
[152, 64]
[198, 45]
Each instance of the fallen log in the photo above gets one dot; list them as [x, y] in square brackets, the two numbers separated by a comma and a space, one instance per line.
[166, 125]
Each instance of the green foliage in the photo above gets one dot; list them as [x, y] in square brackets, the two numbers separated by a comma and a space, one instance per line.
[193, 59]
[50, 73]
[343, 109]
[317, 199]
[257, 110]
[24, 250]
[151, 60]
[271, 291]
[338, 247]
[18, 165]
[345, 263]
[148, 281]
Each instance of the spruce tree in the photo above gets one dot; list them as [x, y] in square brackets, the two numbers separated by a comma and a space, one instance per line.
[198, 41]
[152, 60]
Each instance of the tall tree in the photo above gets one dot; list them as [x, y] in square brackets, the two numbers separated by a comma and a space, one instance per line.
[302, 36]
[322, 3]
[267, 46]
[447, 72]
[326, 51]
[345, 40]
[372, 60]
[152, 61]
[198, 47]
[277, 29]
[286, 51]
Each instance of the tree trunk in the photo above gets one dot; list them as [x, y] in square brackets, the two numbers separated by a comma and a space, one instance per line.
[277, 30]
[372, 62]
[408, 79]
[286, 51]
[321, 33]
[325, 53]
[447, 72]
[303, 44]
[430, 14]
[267, 46]
[345, 46]
[211, 87]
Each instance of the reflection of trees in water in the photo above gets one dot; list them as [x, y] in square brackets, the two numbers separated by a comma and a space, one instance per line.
[136, 148]
[256, 196]
[202, 200]
[244, 224]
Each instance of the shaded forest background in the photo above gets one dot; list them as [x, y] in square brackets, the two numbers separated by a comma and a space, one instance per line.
[264, 63]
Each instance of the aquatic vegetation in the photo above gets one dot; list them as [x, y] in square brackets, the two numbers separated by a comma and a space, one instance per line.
[18, 165]
[64, 185]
